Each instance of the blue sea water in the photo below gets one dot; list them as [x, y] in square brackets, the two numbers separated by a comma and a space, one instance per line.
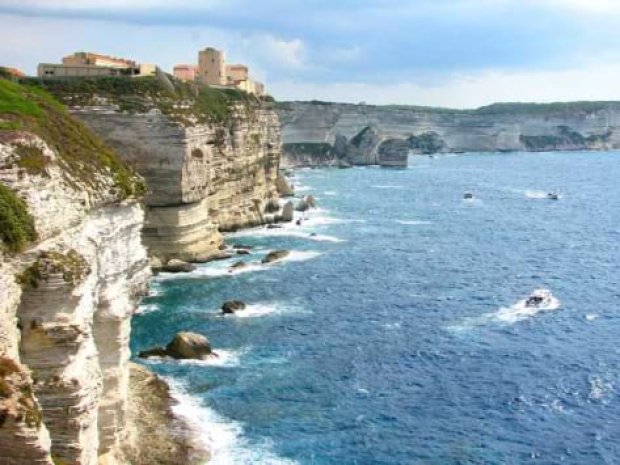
[396, 335]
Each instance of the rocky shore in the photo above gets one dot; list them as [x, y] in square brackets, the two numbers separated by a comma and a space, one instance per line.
[74, 223]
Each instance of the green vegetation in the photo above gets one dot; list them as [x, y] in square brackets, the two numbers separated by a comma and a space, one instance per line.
[82, 155]
[185, 102]
[73, 267]
[16, 224]
[32, 159]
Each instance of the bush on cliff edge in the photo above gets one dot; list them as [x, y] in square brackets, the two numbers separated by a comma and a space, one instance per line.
[16, 224]
[81, 154]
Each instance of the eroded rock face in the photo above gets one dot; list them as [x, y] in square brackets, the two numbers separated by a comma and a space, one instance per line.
[65, 315]
[495, 128]
[202, 179]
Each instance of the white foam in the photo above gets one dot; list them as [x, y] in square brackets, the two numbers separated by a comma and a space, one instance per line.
[289, 230]
[533, 194]
[143, 309]
[599, 389]
[221, 436]
[509, 315]
[220, 269]
[224, 358]
[592, 316]
[414, 222]
[259, 310]
[388, 186]
[330, 193]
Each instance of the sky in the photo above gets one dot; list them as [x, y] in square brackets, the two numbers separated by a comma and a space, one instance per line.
[451, 53]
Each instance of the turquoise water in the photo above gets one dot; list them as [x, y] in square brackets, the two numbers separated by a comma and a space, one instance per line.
[396, 335]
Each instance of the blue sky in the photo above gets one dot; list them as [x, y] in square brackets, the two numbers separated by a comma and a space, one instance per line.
[458, 53]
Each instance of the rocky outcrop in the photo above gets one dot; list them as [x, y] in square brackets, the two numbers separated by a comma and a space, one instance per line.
[393, 153]
[210, 164]
[232, 306]
[184, 345]
[152, 420]
[501, 127]
[68, 287]
[275, 255]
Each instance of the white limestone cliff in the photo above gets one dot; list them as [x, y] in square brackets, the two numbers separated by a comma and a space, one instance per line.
[65, 308]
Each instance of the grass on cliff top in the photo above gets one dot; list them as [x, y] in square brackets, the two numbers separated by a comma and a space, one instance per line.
[83, 156]
[182, 101]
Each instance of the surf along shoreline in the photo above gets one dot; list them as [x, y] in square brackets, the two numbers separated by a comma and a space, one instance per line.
[197, 434]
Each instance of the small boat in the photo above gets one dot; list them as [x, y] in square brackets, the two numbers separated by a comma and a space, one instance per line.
[539, 298]
[553, 196]
[468, 196]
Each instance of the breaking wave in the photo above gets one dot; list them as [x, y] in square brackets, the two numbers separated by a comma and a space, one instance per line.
[223, 438]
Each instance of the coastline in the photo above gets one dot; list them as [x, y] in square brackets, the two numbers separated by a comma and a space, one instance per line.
[156, 434]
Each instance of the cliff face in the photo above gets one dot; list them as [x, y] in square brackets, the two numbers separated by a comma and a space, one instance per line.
[71, 272]
[502, 127]
[204, 174]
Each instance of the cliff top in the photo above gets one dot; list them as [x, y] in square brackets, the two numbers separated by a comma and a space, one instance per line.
[29, 115]
[528, 109]
[186, 103]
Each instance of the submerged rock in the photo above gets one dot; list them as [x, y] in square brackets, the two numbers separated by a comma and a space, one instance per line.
[275, 255]
[242, 246]
[243, 252]
[238, 265]
[232, 306]
[186, 345]
[212, 257]
[178, 266]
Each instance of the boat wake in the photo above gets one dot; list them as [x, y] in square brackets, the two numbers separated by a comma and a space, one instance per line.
[413, 222]
[223, 438]
[540, 301]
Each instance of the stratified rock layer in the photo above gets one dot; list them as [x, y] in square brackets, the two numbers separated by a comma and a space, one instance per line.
[202, 179]
[65, 307]
[313, 129]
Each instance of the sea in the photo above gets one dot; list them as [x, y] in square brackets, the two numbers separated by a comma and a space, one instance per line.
[397, 330]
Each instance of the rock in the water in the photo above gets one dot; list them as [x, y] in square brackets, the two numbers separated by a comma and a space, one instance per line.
[275, 255]
[186, 345]
[273, 226]
[287, 212]
[178, 266]
[238, 265]
[243, 252]
[242, 246]
[212, 257]
[232, 306]
[154, 352]
[306, 204]
[283, 186]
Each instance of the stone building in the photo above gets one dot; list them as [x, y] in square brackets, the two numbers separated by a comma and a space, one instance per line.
[185, 72]
[212, 67]
[86, 64]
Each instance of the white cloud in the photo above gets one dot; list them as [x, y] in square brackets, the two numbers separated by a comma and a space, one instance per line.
[277, 52]
[595, 83]
[110, 4]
